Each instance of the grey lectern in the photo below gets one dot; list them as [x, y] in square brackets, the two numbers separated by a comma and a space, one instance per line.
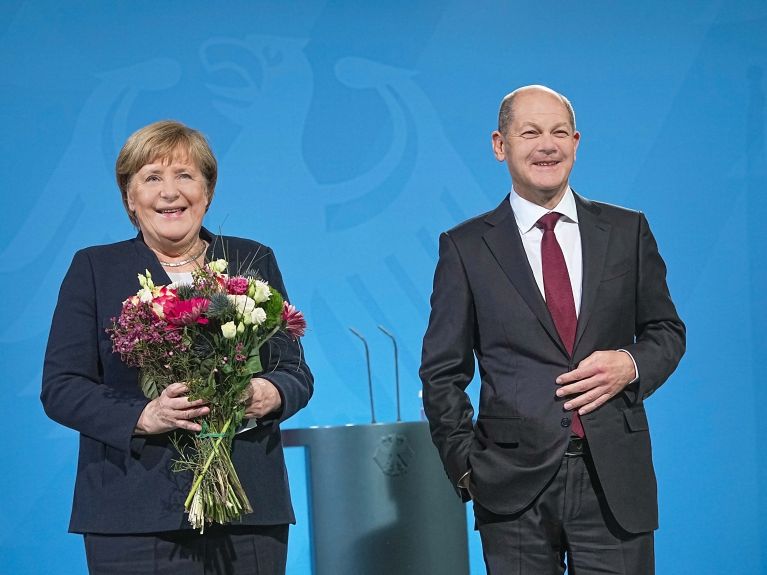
[380, 502]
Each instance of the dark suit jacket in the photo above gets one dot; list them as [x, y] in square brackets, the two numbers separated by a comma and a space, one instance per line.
[124, 483]
[486, 302]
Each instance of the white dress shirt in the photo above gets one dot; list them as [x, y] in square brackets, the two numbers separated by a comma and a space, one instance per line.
[568, 235]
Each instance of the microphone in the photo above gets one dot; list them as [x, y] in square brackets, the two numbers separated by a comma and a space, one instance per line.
[370, 376]
[396, 366]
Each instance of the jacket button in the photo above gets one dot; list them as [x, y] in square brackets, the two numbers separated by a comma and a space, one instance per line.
[565, 422]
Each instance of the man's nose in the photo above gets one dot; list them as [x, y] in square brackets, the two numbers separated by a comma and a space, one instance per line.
[546, 144]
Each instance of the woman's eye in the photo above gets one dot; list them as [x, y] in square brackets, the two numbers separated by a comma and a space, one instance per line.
[185, 176]
[152, 178]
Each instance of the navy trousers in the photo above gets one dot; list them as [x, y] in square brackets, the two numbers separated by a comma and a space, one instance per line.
[230, 550]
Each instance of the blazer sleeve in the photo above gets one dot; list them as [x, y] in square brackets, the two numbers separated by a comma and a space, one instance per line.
[74, 392]
[447, 362]
[660, 333]
[284, 363]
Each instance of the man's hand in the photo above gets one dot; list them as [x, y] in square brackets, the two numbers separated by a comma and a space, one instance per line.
[597, 378]
[171, 410]
[261, 398]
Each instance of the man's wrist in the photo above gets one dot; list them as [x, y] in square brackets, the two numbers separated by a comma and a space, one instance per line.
[636, 368]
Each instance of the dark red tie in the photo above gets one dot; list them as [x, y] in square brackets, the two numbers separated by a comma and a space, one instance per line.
[559, 292]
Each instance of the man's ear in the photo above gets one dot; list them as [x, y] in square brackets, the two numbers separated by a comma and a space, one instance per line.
[499, 146]
[577, 139]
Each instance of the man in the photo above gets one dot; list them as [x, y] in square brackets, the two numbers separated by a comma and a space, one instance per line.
[564, 303]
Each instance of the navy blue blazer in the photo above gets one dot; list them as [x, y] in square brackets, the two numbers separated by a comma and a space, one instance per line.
[125, 483]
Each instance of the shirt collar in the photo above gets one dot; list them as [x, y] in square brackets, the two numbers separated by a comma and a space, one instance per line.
[526, 213]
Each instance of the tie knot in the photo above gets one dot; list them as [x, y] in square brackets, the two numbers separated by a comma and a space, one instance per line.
[547, 222]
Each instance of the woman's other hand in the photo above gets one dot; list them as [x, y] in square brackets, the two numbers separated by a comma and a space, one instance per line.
[262, 398]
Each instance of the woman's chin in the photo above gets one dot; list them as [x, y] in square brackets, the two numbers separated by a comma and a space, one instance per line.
[173, 235]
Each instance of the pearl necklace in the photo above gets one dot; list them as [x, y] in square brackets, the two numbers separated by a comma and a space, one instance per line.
[186, 261]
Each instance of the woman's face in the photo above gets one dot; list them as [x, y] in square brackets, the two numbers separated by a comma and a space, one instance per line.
[169, 198]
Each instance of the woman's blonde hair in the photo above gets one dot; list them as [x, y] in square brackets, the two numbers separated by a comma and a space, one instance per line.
[163, 141]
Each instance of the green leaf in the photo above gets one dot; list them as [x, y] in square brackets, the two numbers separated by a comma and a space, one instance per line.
[253, 365]
[149, 385]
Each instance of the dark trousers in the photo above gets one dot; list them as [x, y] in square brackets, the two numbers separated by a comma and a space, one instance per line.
[231, 550]
[568, 524]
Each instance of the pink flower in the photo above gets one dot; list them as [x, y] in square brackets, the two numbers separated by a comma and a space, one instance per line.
[187, 312]
[237, 285]
[164, 300]
[295, 324]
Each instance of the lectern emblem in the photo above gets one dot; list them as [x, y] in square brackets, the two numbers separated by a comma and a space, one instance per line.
[394, 454]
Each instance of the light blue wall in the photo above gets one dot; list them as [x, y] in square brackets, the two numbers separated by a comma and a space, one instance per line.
[349, 135]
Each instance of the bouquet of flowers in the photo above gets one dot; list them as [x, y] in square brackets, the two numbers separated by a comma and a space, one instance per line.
[208, 335]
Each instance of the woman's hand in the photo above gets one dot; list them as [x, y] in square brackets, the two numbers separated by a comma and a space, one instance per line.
[171, 410]
[261, 398]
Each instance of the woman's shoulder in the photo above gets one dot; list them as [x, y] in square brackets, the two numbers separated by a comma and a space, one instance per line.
[235, 241]
[241, 253]
[106, 251]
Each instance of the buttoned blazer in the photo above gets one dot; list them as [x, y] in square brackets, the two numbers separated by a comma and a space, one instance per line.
[125, 483]
[486, 303]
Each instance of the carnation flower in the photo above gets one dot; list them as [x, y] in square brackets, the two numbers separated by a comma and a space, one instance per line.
[164, 299]
[257, 316]
[295, 323]
[243, 304]
[187, 312]
[237, 285]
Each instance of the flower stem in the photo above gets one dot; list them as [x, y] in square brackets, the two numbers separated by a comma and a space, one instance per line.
[200, 476]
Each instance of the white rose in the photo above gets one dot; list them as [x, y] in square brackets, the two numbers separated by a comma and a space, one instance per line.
[242, 303]
[229, 330]
[257, 316]
[261, 291]
[219, 266]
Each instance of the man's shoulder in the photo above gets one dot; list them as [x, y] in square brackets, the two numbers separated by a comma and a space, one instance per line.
[478, 225]
[607, 210]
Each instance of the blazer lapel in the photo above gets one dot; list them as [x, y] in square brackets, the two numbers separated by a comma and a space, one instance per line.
[148, 260]
[505, 243]
[595, 236]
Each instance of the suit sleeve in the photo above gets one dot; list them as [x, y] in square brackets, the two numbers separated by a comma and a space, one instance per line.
[447, 363]
[74, 392]
[284, 363]
[660, 333]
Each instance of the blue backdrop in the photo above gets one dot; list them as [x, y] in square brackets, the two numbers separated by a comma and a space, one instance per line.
[349, 135]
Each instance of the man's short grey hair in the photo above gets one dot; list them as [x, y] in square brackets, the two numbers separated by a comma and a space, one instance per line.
[506, 113]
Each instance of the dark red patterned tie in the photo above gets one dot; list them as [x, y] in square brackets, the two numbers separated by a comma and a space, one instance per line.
[559, 292]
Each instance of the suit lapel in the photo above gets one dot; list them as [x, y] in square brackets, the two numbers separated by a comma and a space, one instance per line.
[505, 243]
[595, 235]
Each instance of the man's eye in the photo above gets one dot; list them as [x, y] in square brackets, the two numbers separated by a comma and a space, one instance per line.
[529, 134]
[561, 133]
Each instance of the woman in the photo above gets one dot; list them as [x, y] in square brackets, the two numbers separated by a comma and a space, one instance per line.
[128, 502]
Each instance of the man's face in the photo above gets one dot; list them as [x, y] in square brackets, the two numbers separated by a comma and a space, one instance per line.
[539, 148]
